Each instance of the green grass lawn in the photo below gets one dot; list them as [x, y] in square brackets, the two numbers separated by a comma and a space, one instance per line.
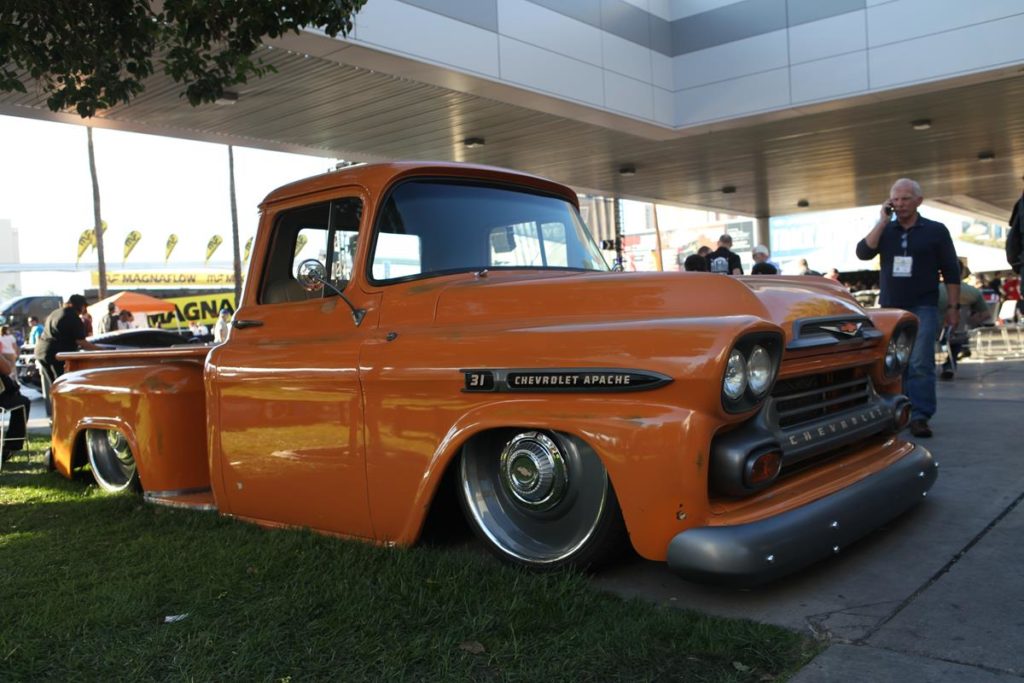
[94, 586]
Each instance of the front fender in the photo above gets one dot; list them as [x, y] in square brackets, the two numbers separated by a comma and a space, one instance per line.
[656, 456]
[160, 409]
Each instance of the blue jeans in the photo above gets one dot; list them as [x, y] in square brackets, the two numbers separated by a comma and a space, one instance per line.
[919, 377]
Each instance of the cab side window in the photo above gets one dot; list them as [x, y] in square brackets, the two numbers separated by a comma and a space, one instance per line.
[327, 232]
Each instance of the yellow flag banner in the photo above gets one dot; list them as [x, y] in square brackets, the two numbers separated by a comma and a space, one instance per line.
[84, 240]
[248, 248]
[212, 245]
[203, 309]
[172, 241]
[130, 241]
[127, 279]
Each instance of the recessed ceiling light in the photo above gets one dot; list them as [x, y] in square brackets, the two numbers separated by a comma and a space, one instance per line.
[987, 155]
[474, 142]
[728, 189]
[921, 124]
[627, 170]
[227, 97]
[803, 203]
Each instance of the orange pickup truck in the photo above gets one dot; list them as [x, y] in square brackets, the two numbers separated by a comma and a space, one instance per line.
[406, 324]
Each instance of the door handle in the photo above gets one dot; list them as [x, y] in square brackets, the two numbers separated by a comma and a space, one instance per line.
[242, 324]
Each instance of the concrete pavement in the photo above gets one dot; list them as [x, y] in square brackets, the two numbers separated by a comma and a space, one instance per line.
[938, 594]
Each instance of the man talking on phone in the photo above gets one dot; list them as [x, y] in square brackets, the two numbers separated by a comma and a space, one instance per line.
[914, 250]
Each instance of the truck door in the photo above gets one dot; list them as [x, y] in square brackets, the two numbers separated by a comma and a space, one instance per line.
[286, 415]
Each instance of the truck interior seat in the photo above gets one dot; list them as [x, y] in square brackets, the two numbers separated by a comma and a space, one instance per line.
[283, 291]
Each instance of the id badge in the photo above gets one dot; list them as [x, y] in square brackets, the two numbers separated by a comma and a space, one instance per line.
[901, 266]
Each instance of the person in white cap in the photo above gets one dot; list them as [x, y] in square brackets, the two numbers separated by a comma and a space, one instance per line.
[762, 255]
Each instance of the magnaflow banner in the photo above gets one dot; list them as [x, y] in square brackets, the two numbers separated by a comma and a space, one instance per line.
[203, 309]
[126, 279]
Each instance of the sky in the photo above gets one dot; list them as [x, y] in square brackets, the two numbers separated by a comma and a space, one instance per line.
[155, 185]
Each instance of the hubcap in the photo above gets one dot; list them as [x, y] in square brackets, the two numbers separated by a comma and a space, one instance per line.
[110, 456]
[119, 446]
[533, 471]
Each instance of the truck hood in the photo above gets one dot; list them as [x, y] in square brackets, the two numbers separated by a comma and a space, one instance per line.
[636, 296]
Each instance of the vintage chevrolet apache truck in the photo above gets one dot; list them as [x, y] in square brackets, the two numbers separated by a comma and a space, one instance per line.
[405, 324]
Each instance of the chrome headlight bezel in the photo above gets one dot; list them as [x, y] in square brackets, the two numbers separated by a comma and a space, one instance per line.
[899, 349]
[768, 348]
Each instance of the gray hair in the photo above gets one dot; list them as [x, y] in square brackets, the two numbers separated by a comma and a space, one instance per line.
[915, 188]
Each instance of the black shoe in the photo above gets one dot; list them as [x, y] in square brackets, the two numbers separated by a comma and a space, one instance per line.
[946, 374]
[920, 429]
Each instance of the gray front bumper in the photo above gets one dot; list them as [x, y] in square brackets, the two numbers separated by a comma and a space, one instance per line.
[765, 550]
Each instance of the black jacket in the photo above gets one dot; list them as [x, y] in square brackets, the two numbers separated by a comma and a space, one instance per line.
[1014, 246]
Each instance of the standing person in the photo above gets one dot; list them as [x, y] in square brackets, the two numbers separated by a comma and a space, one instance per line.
[806, 269]
[723, 259]
[1011, 292]
[63, 331]
[1015, 238]
[87, 321]
[108, 323]
[694, 263]
[35, 330]
[8, 343]
[220, 330]
[913, 251]
[761, 254]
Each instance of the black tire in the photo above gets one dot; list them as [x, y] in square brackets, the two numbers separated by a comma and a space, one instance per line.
[540, 500]
[111, 460]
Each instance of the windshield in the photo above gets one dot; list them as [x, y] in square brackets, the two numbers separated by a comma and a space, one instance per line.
[431, 227]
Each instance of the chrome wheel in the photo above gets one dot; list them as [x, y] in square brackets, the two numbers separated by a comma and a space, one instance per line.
[111, 459]
[539, 499]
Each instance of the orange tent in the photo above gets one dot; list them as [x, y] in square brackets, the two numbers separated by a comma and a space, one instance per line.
[137, 303]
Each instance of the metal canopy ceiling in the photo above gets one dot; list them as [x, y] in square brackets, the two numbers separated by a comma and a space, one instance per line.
[833, 159]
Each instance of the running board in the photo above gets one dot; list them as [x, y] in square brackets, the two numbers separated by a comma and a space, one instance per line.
[189, 499]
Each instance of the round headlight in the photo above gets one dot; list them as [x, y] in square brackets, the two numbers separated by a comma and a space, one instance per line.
[735, 381]
[891, 359]
[904, 345]
[759, 370]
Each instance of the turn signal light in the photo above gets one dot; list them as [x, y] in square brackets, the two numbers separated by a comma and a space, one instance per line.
[763, 468]
[903, 416]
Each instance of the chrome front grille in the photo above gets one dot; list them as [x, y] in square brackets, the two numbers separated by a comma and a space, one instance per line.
[810, 398]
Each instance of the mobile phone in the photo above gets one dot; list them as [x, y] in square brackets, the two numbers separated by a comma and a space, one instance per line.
[890, 210]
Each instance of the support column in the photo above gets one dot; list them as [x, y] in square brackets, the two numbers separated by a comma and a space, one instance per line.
[761, 235]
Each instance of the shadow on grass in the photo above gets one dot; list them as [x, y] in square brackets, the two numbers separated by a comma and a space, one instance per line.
[89, 580]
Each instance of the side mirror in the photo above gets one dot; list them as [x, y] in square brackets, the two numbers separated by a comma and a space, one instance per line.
[311, 274]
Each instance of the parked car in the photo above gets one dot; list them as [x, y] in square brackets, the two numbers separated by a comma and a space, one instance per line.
[409, 324]
[16, 312]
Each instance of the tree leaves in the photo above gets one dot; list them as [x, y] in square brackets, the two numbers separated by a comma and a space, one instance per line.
[90, 55]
